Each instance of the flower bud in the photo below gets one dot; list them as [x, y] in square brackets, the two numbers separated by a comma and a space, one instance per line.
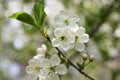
[91, 58]
[84, 56]
[38, 50]
[42, 49]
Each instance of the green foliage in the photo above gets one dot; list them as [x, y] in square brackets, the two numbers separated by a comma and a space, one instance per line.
[24, 17]
[104, 54]
[114, 74]
[2, 76]
[39, 13]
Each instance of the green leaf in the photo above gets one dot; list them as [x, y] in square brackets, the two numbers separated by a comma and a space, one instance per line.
[39, 12]
[24, 17]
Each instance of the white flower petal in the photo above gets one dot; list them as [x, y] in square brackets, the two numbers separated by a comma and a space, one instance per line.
[80, 46]
[38, 56]
[53, 76]
[67, 32]
[35, 60]
[61, 69]
[44, 72]
[32, 61]
[42, 49]
[39, 50]
[54, 60]
[72, 45]
[43, 75]
[73, 26]
[65, 46]
[45, 63]
[32, 69]
[29, 70]
[56, 42]
[74, 18]
[70, 39]
[84, 38]
[59, 20]
[80, 31]
[58, 32]
[63, 12]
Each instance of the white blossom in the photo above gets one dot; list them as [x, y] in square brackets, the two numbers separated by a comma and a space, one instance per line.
[34, 67]
[55, 68]
[45, 68]
[64, 19]
[80, 38]
[68, 34]
[38, 61]
[37, 67]
[63, 38]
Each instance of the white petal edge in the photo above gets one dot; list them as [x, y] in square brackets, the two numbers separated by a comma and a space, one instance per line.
[44, 63]
[64, 13]
[53, 76]
[31, 69]
[58, 32]
[61, 69]
[67, 31]
[33, 61]
[38, 56]
[56, 42]
[73, 26]
[54, 60]
[71, 39]
[74, 18]
[84, 38]
[65, 46]
[80, 46]
[42, 50]
[80, 31]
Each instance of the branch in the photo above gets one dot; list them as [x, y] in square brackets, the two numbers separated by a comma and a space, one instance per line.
[106, 14]
[73, 65]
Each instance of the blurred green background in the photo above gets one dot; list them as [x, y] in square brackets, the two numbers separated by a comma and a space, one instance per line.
[101, 18]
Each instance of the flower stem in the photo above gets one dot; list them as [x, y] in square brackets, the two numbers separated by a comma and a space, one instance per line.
[72, 64]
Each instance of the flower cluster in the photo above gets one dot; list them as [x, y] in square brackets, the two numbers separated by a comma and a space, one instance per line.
[68, 34]
[45, 68]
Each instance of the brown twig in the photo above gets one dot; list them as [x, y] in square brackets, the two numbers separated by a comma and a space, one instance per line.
[105, 15]
[72, 64]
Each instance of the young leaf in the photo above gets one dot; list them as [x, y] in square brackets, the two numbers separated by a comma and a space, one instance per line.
[81, 66]
[39, 13]
[24, 17]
